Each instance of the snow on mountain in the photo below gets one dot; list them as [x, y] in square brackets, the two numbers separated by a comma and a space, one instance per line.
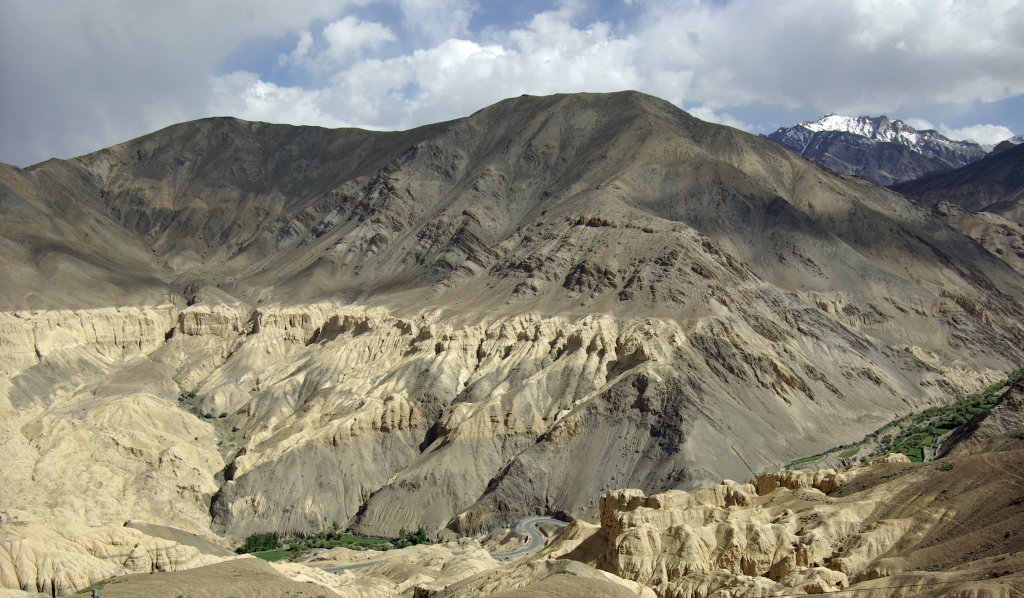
[882, 128]
[879, 149]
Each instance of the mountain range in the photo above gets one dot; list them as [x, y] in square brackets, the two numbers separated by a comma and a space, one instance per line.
[879, 149]
[231, 327]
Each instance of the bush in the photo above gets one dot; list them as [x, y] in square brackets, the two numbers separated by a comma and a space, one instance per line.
[259, 543]
[223, 414]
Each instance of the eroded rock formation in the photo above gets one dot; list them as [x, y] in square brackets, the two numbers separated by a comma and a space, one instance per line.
[815, 532]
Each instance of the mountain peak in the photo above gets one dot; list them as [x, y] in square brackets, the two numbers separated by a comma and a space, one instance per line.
[899, 151]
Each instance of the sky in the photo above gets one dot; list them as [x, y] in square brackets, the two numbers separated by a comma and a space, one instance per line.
[79, 76]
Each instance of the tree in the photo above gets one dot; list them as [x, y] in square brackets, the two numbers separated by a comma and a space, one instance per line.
[420, 537]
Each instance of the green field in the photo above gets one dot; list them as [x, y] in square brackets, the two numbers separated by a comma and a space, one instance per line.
[271, 555]
[849, 453]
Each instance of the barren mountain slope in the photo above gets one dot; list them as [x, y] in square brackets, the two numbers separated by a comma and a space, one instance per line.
[1001, 236]
[993, 184]
[984, 200]
[507, 313]
[58, 251]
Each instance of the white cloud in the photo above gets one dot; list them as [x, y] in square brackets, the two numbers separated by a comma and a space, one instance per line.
[244, 95]
[301, 51]
[349, 35]
[983, 134]
[438, 20]
[857, 57]
[723, 118]
[920, 124]
[342, 40]
[457, 77]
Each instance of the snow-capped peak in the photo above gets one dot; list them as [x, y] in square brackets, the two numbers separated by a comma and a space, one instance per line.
[870, 139]
[847, 124]
[879, 128]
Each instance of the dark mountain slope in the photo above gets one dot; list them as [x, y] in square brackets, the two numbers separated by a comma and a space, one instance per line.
[880, 150]
[984, 200]
[994, 184]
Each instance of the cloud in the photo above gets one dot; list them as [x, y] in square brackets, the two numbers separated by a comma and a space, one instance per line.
[244, 95]
[707, 114]
[920, 124]
[76, 77]
[983, 134]
[349, 35]
[457, 77]
[439, 20]
[301, 51]
[340, 41]
[856, 57]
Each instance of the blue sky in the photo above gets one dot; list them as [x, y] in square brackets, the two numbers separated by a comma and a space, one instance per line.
[75, 77]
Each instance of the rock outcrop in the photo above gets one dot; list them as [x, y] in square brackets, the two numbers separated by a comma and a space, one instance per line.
[58, 556]
[783, 534]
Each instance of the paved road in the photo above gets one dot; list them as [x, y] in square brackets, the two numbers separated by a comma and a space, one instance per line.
[528, 525]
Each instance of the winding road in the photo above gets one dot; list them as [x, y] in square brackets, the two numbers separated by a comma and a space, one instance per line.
[528, 525]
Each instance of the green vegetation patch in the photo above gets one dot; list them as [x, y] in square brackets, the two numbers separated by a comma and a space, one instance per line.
[272, 555]
[807, 460]
[99, 585]
[914, 433]
[268, 546]
[260, 543]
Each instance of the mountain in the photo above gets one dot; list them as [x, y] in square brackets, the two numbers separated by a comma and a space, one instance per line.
[994, 184]
[984, 200]
[879, 150]
[1008, 143]
[232, 327]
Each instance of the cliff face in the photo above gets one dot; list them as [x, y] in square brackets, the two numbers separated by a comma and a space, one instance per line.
[892, 521]
[454, 326]
[348, 413]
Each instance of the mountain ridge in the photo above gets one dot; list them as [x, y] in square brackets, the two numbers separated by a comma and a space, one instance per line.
[457, 325]
[879, 149]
